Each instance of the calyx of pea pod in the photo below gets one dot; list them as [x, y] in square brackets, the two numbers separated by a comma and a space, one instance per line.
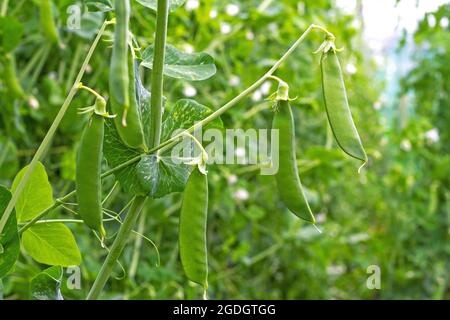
[282, 93]
[328, 44]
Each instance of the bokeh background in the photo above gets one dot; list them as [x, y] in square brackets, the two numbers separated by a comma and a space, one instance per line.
[395, 214]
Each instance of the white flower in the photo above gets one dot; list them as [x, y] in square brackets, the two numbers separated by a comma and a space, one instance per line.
[234, 81]
[250, 35]
[377, 105]
[336, 270]
[257, 95]
[241, 194]
[358, 237]
[265, 88]
[225, 28]
[432, 135]
[33, 103]
[189, 91]
[192, 5]
[232, 9]
[351, 68]
[232, 179]
[213, 14]
[321, 217]
[431, 19]
[188, 48]
[405, 145]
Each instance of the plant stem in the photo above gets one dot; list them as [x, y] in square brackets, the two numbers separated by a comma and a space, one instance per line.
[51, 132]
[137, 246]
[4, 8]
[170, 142]
[157, 72]
[117, 247]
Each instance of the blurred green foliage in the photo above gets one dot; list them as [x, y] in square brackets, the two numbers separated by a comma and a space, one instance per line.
[395, 214]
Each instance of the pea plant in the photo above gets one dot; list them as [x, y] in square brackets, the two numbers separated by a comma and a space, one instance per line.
[128, 128]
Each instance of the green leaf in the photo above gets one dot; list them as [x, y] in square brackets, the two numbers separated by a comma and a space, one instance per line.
[160, 176]
[184, 114]
[180, 65]
[9, 239]
[153, 4]
[11, 31]
[117, 153]
[99, 5]
[90, 24]
[8, 158]
[47, 284]
[36, 196]
[52, 244]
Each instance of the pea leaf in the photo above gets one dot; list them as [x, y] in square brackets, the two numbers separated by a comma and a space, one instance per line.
[9, 239]
[180, 65]
[184, 114]
[36, 196]
[47, 284]
[116, 153]
[160, 176]
[90, 23]
[11, 31]
[153, 4]
[52, 244]
[99, 5]
[8, 158]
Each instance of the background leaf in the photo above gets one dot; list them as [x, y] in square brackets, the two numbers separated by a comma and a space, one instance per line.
[8, 158]
[52, 244]
[47, 284]
[36, 196]
[9, 239]
[153, 4]
[99, 5]
[181, 65]
[11, 31]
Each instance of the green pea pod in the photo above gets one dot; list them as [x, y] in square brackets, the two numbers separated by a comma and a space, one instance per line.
[47, 21]
[287, 178]
[193, 217]
[10, 77]
[121, 82]
[88, 171]
[336, 105]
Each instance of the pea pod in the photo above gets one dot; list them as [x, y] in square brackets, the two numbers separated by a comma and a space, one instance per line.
[88, 171]
[192, 236]
[10, 77]
[288, 181]
[121, 82]
[337, 108]
[47, 21]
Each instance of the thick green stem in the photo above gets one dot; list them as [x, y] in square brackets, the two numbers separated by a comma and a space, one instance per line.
[157, 72]
[117, 247]
[51, 132]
